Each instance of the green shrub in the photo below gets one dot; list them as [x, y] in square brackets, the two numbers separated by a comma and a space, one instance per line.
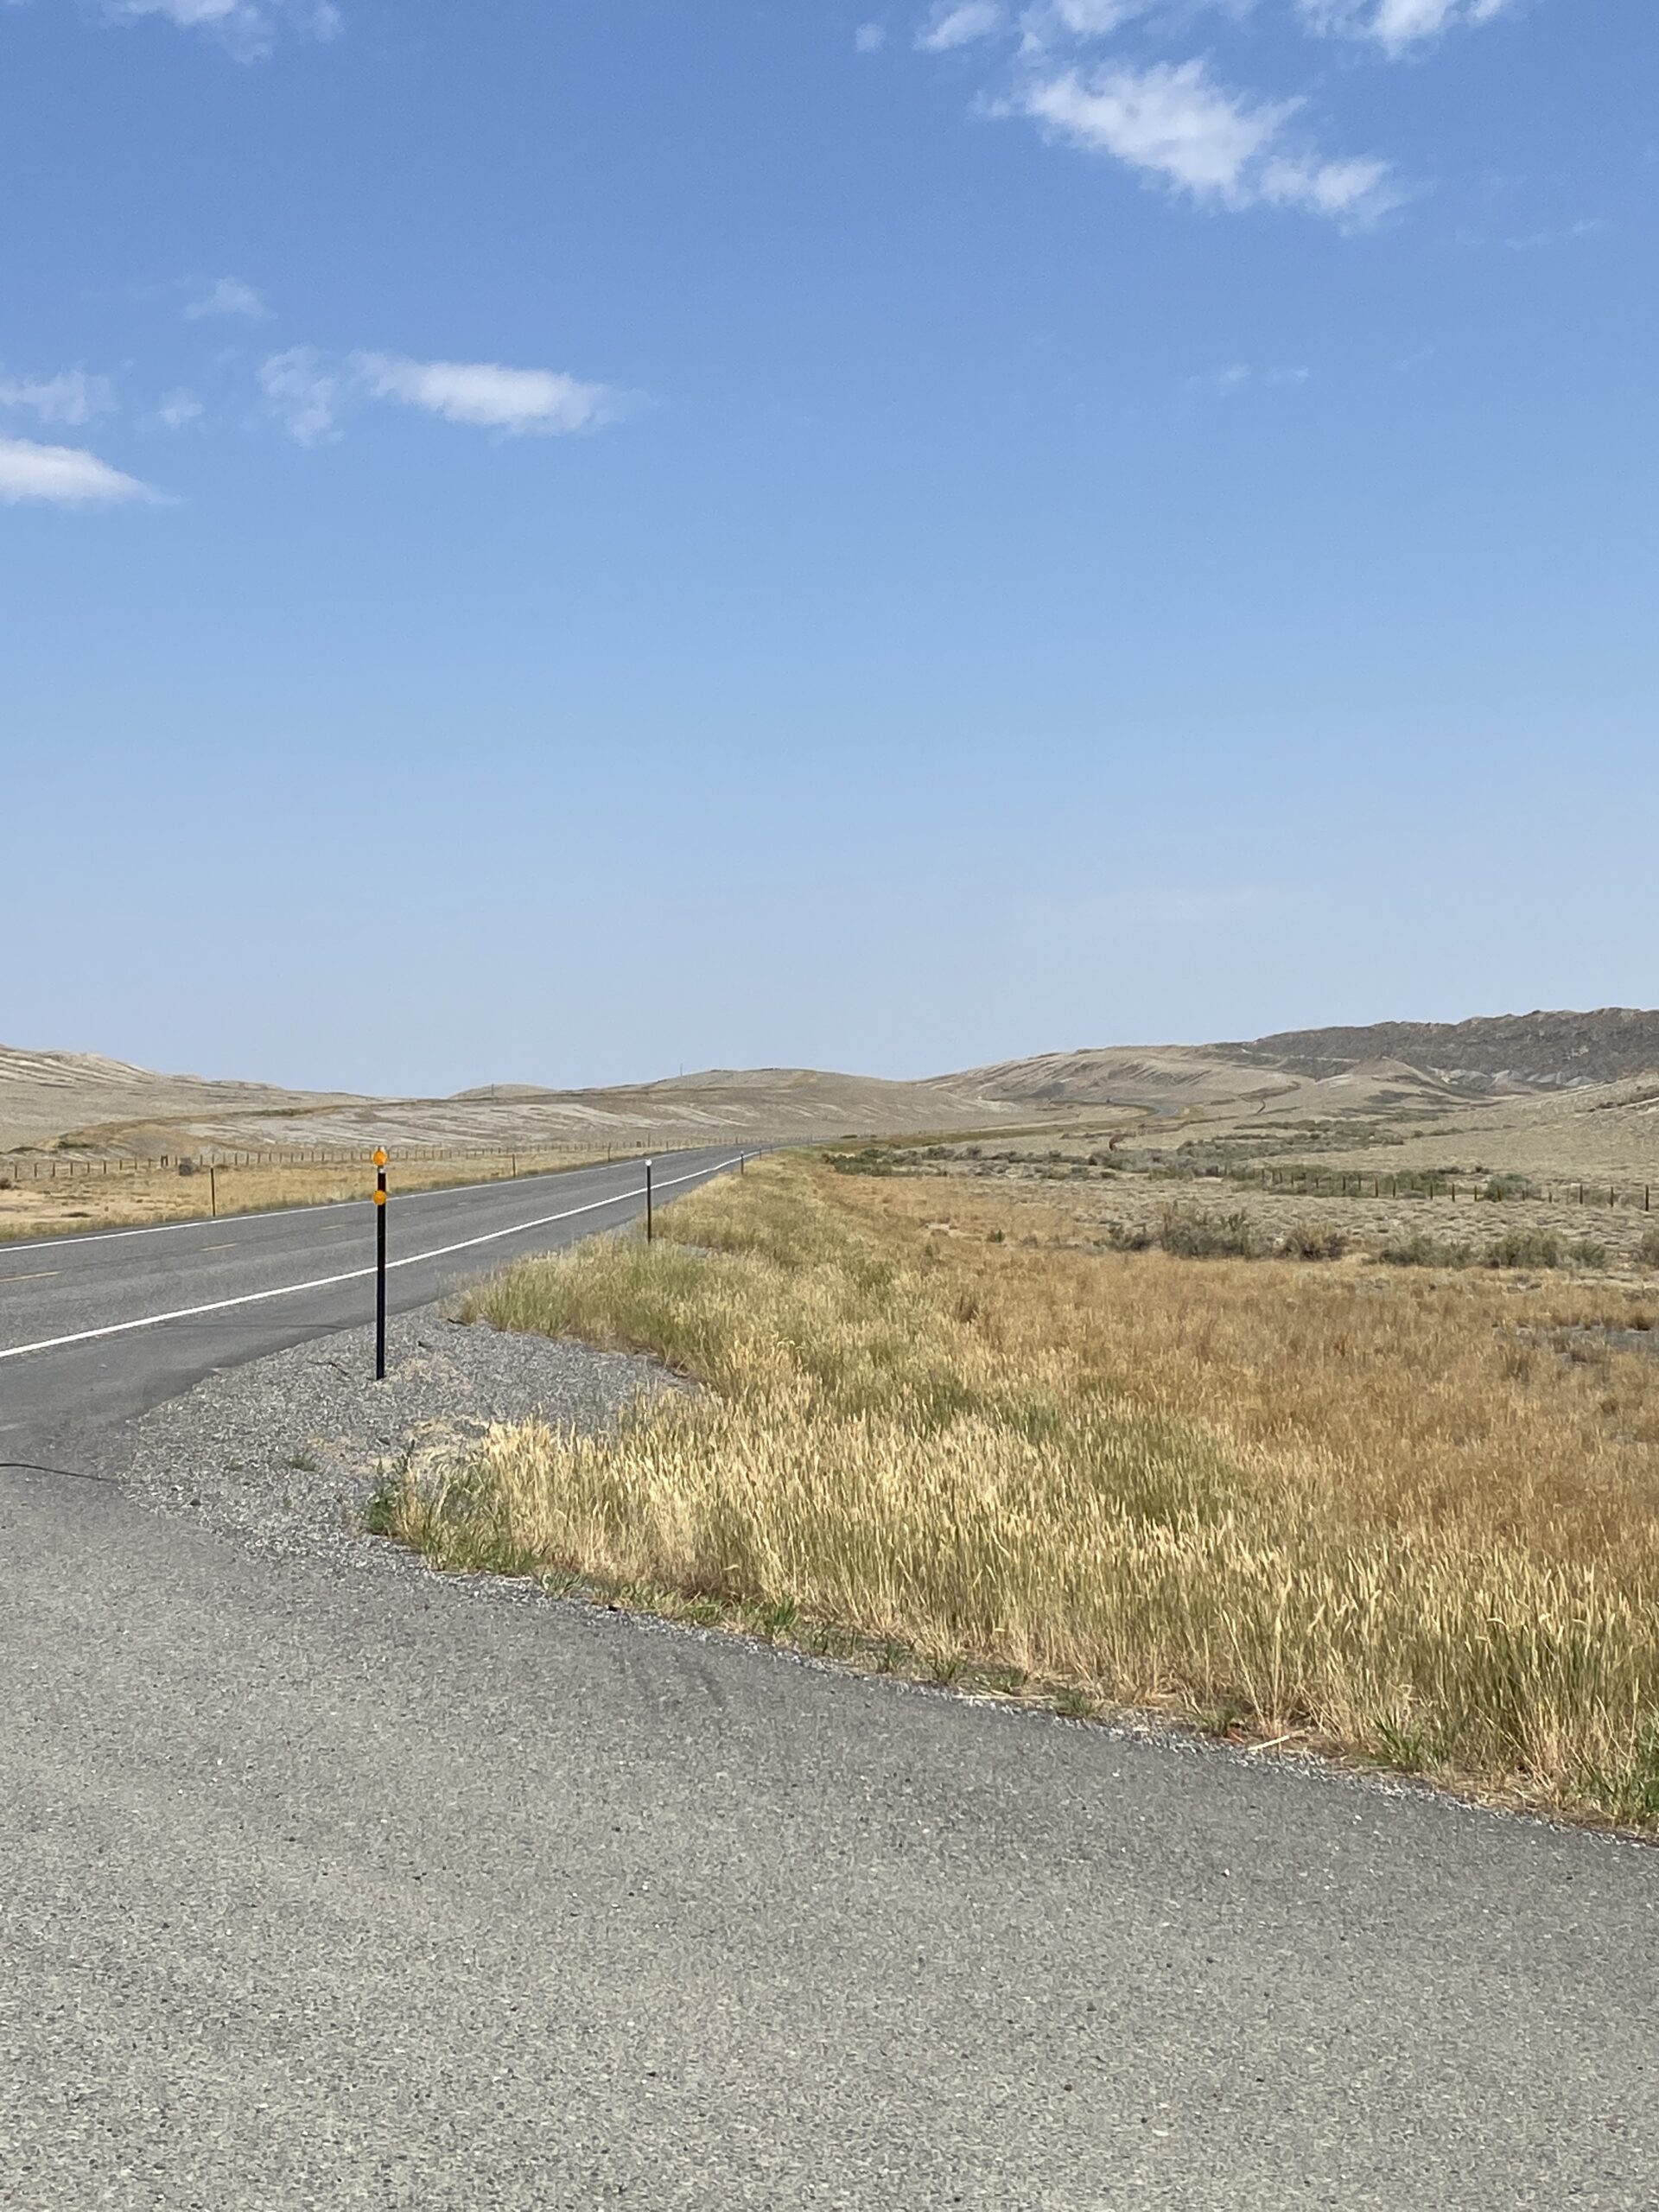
[1421, 1251]
[1130, 1236]
[1526, 1247]
[1192, 1235]
[1648, 1250]
[1313, 1240]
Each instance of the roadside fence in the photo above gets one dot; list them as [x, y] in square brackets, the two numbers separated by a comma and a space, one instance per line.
[1495, 1188]
[84, 1166]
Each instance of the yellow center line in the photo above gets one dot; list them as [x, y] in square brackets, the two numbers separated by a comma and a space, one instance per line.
[39, 1275]
[231, 1247]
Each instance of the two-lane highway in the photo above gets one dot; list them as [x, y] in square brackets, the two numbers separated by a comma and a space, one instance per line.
[350, 1892]
[98, 1327]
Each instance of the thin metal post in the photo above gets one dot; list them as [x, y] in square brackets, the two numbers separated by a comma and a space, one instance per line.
[650, 1225]
[381, 1267]
[212, 1188]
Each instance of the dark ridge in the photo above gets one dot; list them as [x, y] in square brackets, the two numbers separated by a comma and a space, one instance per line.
[1521, 1051]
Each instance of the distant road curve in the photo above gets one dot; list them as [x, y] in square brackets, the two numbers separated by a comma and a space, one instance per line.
[95, 1328]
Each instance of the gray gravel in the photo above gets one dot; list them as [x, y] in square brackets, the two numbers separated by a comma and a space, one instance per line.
[283, 1454]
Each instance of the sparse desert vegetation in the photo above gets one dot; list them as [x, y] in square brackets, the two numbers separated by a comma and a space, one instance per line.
[1408, 1516]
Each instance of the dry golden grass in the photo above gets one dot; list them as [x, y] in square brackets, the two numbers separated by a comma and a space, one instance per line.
[1412, 1519]
[130, 1198]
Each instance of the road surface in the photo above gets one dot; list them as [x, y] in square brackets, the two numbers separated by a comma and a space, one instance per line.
[359, 1888]
[80, 1343]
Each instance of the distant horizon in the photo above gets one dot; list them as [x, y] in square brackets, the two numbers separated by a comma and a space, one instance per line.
[864, 1074]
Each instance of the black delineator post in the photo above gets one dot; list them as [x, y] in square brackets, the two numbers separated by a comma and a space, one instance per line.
[650, 1230]
[381, 1267]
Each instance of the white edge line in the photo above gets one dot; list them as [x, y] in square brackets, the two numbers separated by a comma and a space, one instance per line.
[284, 1213]
[352, 1274]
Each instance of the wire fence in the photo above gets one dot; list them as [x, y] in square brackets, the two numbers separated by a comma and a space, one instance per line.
[19, 1168]
[1498, 1189]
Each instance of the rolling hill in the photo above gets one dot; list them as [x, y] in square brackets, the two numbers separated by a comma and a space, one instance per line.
[1410, 1070]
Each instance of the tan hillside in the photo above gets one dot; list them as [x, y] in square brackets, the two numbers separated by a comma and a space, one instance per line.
[44, 1095]
[79, 1101]
[786, 1103]
[1509, 1091]
[1165, 1078]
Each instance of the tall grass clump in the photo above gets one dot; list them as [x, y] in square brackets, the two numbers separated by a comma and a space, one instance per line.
[1388, 1521]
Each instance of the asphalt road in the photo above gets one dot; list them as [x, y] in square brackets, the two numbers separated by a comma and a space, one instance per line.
[365, 1888]
[253, 1283]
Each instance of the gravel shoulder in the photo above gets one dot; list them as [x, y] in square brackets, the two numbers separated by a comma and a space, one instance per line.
[283, 1455]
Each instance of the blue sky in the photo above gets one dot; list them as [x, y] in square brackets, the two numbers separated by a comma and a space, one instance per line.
[556, 541]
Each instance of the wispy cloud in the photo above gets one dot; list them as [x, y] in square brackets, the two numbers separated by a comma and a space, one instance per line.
[487, 395]
[303, 394]
[958, 23]
[249, 28]
[1554, 234]
[307, 393]
[1238, 376]
[1174, 123]
[1062, 23]
[71, 397]
[230, 298]
[178, 409]
[870, 38]
[1398, 25]
[64, 476]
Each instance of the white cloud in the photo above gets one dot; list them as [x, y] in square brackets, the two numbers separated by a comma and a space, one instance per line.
[1554, 234]
[1095, 18]
[1168, 118]
[958, 23]
[230, 298]
[1174, 122]
[306, 393]
[1398, 25]
[1222, 383]
[1591, 227]
[484, 393]
[301, 394]
[1355, 190]
[870, 38]
[66, 476]
[1058, 22]
[178, 410]
[71, 397]
[248, 27]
